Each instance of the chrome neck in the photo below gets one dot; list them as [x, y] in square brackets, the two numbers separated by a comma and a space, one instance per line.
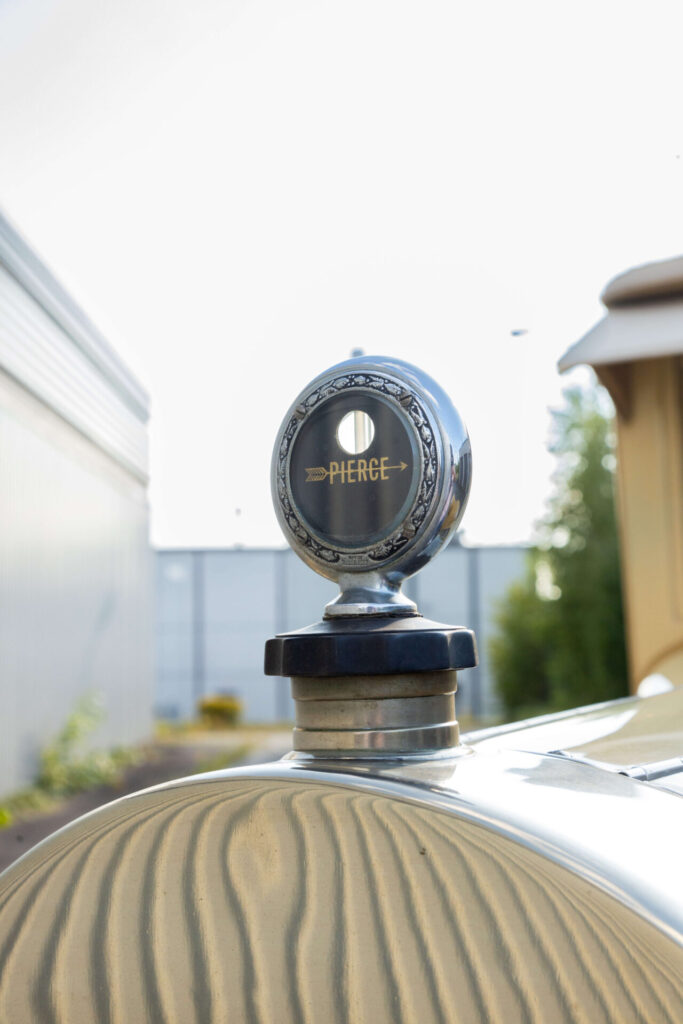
[375, 716]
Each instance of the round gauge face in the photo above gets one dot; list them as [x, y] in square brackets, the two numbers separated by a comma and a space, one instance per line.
[367, 469]
[354, 470]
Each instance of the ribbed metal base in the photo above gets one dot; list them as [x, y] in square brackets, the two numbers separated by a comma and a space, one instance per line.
[376, 715]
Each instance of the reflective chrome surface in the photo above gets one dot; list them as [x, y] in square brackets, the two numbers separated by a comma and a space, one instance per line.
[501, 887]
[619, 734]
[370, 569]
[375, 714]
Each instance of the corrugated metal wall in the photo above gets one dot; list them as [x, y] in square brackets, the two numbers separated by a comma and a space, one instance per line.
[75, 564]
[216, 609]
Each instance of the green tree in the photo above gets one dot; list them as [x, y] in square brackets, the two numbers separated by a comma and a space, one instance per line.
[560, 639]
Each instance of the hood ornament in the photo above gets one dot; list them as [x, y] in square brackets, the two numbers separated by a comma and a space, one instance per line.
[371, 473]
[370, 476]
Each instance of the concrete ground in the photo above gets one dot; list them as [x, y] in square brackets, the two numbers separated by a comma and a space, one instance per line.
[163, 760]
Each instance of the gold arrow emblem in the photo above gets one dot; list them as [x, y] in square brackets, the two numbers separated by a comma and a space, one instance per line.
[352, 471]
[316, 473]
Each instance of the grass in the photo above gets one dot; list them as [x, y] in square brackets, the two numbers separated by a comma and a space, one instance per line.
[67, 767]
[248, 736]
[225, 759]
[167, 730]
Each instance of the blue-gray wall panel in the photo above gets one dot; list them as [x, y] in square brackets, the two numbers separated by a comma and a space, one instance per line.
[242, 597]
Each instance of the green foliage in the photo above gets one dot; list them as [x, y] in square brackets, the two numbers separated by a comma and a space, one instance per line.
[560, 639]
[67, 766]
[24, 802]
[220, 710]
[522, 643]
[224, 759]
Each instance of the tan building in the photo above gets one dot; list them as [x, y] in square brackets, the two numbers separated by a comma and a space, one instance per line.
[637, 352]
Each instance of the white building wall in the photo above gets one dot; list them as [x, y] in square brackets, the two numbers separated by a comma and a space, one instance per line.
[75, 563]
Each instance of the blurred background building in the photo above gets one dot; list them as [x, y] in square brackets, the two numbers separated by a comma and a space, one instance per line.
[75, 563]
[216, 609]
[637, 352]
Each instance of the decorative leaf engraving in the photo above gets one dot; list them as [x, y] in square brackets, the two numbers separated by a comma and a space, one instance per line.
[408, 404]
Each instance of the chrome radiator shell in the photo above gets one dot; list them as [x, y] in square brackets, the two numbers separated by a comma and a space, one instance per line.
[482, 884]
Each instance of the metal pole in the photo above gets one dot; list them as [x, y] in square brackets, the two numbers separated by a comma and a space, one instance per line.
[282, 698]
[198, 626]
[474, 620]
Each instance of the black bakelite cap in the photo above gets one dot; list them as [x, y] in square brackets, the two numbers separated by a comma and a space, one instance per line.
[383, 645]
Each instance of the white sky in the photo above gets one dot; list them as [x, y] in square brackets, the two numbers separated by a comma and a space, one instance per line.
[241, 191]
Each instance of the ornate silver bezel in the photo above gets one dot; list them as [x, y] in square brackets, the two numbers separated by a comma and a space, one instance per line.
[380, 553]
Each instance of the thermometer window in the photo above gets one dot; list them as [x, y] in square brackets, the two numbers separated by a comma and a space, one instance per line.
[355, 432]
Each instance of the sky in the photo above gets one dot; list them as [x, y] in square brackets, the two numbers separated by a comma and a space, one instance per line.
[240, 192]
